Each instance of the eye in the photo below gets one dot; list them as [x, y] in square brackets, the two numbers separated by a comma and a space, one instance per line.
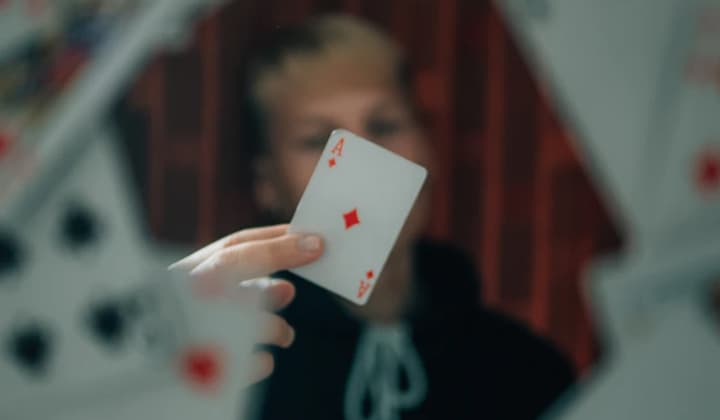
[314, 142]
[379, 128]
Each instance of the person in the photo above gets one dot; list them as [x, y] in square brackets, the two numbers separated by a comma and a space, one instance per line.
[422, 347]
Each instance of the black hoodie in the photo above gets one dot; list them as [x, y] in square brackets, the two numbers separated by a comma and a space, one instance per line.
[478, 364]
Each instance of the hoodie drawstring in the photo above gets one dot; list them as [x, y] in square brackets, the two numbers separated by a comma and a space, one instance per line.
[383, 352]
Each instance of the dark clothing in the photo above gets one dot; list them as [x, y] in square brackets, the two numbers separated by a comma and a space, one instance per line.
[478, 363]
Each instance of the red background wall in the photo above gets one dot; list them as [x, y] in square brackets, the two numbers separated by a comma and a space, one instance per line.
[515, 196]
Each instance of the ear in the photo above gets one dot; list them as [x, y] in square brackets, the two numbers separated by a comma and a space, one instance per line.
[264, 186]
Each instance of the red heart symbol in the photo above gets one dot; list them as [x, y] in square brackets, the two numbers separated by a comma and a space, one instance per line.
[203, 367]
[707, 171]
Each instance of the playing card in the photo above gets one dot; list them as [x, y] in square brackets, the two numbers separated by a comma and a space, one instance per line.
[660, 336]
[638, 81]
[686, 173]
[630, 295]
[358, 199]
[673, 372]
[205, 368]
[602, 63]
[92, 324]
[73, 259]
[80, 328]
[206, 374]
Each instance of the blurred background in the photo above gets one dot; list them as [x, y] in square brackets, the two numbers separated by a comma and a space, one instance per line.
[515, 195]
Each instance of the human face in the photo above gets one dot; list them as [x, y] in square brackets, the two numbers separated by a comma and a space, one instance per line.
[300, 124]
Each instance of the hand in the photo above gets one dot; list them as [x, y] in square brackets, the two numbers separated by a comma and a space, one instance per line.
[244, 257]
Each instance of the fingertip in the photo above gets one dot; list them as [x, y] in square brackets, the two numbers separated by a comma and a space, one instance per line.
[280, 293]
[263, 366]
[275, 294]
[291, 339]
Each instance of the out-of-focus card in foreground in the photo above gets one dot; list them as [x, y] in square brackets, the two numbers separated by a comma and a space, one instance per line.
[603, 67]
[686, 172]
[673, 372]
[358, 199]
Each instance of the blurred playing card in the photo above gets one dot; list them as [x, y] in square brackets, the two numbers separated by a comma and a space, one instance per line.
[630, 295]
[685, 176]
[602, 62]
[204, 371]
[672, 373]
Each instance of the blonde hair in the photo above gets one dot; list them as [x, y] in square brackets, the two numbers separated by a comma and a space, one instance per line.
[320, 55]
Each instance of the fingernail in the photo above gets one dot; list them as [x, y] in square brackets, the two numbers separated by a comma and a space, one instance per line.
[309, 243]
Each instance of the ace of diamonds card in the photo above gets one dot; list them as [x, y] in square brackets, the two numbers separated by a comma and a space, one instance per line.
[358, 199]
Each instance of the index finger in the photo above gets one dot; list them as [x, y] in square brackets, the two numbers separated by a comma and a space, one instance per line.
[259, 258]
[245, 235]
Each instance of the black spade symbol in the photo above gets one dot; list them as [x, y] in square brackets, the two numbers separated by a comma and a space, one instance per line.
[107, 322]
[79, 227]
[30, 348]
[10, 254]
